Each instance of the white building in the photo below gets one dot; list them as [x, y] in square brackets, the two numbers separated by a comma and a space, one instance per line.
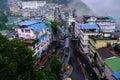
[107, 24]
[36, 34]
[83, 32]
[32, 4]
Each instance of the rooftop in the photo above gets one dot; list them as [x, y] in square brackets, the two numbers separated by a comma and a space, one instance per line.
[27, 23]
[105, 53]
[117, 75]
[89, 26]
[116, 34]
[113, 63]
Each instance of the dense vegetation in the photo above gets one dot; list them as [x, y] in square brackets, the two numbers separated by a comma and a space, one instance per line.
[3, 4]
[3, 20]
[16, 63]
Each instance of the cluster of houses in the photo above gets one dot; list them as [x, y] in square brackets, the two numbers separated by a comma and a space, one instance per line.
[96, 37]
[36, 9]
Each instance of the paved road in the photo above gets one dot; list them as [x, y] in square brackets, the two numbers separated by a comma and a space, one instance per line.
[77, 73]
[87, 67]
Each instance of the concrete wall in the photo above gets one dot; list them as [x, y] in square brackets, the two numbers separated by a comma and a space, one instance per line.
[103, 43]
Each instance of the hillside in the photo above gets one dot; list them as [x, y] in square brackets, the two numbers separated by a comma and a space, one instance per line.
[3, 4]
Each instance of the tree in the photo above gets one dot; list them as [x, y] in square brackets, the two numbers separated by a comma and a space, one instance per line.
[3, 19]
[44, 75]
[2, 25]
[16, 61]
[55, 65]
[54, 25]
[3, 16]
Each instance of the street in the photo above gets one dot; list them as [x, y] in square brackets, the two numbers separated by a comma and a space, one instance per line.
[77, 73]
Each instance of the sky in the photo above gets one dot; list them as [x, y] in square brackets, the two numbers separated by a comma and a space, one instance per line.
[104, 7]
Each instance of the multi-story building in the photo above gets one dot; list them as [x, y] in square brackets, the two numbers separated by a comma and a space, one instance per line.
[107, 24]
[32, 4]
[83, 32]
[32, 8]
[104, 59]
[36, 34]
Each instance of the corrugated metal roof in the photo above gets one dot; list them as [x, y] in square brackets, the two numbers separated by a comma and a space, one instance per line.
[41, 38]
[117, 75]
[37, 27]
[89, 26]
[27, 23]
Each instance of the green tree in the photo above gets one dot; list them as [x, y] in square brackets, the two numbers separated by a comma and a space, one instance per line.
[54, 25]
[3, 16]
[44, 75]
[2, 25]
[55, 65]
[16, 61]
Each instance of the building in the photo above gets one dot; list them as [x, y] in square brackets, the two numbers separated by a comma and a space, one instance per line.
[111, 60]
[31, 8]
[107, 24]
[112, 68]
[84, 32]
[105, 59]
[36, 34]
[32, 4]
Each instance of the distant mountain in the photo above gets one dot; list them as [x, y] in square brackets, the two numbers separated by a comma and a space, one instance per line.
[81, 7]
[3, 4]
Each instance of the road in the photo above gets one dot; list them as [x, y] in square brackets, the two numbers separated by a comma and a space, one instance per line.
[87, 67]
[77, 73]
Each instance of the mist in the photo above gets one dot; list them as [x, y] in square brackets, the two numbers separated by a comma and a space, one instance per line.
[3, 4]
[81, 8]
[105, 8]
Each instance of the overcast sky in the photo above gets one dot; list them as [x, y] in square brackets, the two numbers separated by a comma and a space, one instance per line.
[104, 7]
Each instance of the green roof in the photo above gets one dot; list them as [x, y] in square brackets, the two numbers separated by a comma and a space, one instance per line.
[113, 63]
[111, 18]
[118, 45]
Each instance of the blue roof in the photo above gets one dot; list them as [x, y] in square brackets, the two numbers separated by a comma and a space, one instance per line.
[41, 38]
[37, 27]
[117, 75]
[67, 32]
[31, 22]
[89, 26]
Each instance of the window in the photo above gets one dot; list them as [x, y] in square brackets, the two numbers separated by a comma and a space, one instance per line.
[27, 30]
[38, 48]
[37, 43]
[22, 30]
[33, 46]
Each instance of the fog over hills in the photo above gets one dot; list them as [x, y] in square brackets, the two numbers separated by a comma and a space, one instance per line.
[81, 8]
[3, 4]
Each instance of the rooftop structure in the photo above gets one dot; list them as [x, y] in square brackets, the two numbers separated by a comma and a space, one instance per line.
[116, 75]
[113, 67]
[113, 63]
[106, 23]
[31, 29]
